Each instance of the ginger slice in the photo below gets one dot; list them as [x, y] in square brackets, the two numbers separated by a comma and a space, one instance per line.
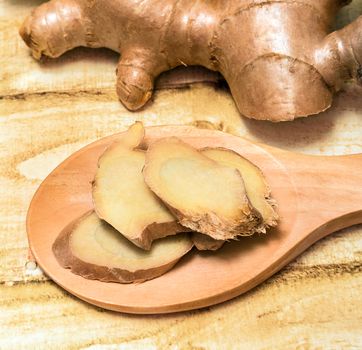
[257, 191]
[205, 242]
[93, 249]
[256, 186]
[122, 198]
[205, 196]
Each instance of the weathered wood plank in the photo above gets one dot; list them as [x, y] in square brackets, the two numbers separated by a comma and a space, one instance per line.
[289, 312]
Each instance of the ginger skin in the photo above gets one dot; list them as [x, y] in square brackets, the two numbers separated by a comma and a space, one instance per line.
[276, 55]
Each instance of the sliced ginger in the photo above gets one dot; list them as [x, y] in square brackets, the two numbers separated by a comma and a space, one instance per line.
[205, 196]
[122, 198]
[214, 192]
[95, 250]
[205, 242]
[256, 188]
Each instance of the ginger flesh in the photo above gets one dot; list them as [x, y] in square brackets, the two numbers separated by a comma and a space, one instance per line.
[205, 196]
[279, 57]
[122, 198]
[256, 188]
[95, 250]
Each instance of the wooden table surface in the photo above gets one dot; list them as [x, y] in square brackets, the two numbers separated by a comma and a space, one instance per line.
[51, 109]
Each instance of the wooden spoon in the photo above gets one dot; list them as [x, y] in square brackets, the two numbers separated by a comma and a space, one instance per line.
[316, 196]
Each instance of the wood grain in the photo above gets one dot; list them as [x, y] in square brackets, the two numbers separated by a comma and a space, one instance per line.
[46, 114]
[290, 311]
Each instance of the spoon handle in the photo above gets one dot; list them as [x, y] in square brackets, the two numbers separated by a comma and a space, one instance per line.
[329, 191]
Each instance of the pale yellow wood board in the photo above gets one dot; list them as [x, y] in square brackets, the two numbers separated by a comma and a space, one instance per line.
[288, 312]
[47, 111]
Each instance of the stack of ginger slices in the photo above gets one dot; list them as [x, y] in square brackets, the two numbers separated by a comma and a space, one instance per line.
[153, 206]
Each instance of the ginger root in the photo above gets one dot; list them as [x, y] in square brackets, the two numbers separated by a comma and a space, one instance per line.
[278, 56]
[122, 198]
[93, 249]
[205, 196]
